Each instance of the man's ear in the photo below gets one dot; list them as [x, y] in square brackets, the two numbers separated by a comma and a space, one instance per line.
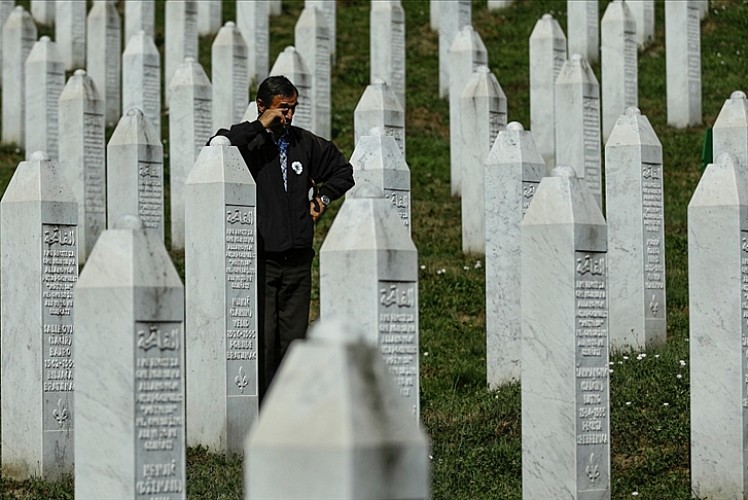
[260, 106]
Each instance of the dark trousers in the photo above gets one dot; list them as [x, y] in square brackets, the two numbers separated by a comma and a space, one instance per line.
[283, 306]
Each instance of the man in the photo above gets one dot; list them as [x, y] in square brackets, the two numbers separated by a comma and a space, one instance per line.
[287, 163]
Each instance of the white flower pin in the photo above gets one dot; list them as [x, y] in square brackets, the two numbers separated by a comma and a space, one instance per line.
[297, 167]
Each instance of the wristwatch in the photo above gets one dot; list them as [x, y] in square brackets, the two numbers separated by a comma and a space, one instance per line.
[324, 199]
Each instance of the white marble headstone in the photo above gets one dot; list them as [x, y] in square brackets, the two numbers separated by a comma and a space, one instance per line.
[252, 20]
[513, 170]
[221, 288]
[104, 55]
[683, 62]
[379, 108]
[378, 162]
[70, 32]
[45, 79]
[333, 416]
[291, 65]
[465, 55]
[190, 128]
[730, 130]
[434, 15]
[311, 39]
[453, 16]
[38, 241]
[130, 373]
[565, 373]
[141, 78]
[6, 7]
[276, 7]
[577, 118]
[19, 36]
[618, 55]
[547, 57]
[250, 114]
[209, 16]
[369, 269]
[583, 28]
[644, 15]
[718, 347]
[81, 146]
[387, 45]
[498, 4]
[230, 78]
[634, 201]
[135, 172]
[328, 11]
[482, 115]
[43, 11]
[139, 16]
[181, 40]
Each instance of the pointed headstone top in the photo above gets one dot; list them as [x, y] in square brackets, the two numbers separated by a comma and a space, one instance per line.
[220, 140]
[515, 127]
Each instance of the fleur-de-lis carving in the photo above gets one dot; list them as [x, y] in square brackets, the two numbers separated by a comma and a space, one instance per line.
[241, 380]
[654, 306]
[593, 470]
[60, 413]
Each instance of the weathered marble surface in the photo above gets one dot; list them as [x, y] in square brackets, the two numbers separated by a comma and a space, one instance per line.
[334, 417]
[38, 241]
[717, 259]
[547, 57]
[129, 393]
[565, 383]
[635, 208]
[730, 130]
[513, 170]
[221, 297]
[683, 62]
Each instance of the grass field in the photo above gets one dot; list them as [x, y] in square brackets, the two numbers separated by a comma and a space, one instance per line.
[475, 433]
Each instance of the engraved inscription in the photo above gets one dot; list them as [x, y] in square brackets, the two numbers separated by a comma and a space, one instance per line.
[240, 83]
[303, 115]
[592, 393]
[397, 48]
[241, 302]
[55, 84]
[591, 131]
[159, 411]
[151, 96]
[322, 71]
[397, 133]
[151, 194]
[398, 336]
[202, 109]
[630, 89]
[112, 77]
[528, 191]
[400, 199]
[693, 34]
[653, 233]
[559, 58]
[59, 275]
[190, 29]
[496, 123]
[744, 329]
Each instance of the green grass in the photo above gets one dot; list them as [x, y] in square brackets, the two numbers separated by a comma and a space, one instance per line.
[474, 432]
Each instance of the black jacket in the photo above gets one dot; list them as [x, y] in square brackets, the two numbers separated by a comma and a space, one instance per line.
[283, 219]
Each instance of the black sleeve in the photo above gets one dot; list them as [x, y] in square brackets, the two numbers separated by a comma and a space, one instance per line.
[241, 134]
[333, 172]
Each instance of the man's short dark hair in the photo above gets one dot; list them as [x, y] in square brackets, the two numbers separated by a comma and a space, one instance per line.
[275, 86]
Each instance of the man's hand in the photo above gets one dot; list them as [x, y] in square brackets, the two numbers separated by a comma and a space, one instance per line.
[273, 119]
[316, 207]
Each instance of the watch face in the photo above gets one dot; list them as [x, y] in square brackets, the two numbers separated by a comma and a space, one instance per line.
[325, 199]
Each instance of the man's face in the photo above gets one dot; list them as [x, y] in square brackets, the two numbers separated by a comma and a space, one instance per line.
[285, 105]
